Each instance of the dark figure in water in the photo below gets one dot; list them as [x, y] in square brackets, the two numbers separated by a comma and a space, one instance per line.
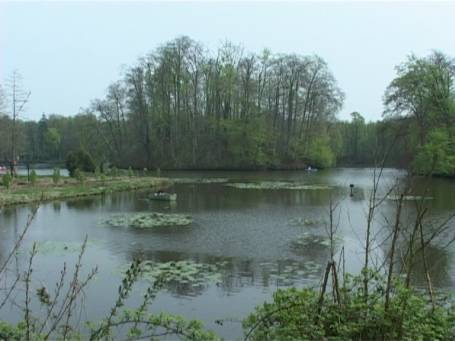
[351, 186]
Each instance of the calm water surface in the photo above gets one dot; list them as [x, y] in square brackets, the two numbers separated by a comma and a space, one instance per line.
[251, 235]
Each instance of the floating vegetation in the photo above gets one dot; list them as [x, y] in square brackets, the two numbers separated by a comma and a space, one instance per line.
[275, 185]
[312, 240]
[291, 272]
[305, 222]
[58, 247]
[200, 180]
[408, 197]
[185, 272]
[149, 220]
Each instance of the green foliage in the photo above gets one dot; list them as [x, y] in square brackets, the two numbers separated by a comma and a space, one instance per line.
[130, 172]
[437, 155]
[12, 332]
[299, 314]
[140, 322]
[320, 154]
[79, 175]
[79, 160]
[6, 180]
[97, 172]
[114, 171]
[247, 143]
[52, 140]
[423, 90]
[56, 176]
[33, 177]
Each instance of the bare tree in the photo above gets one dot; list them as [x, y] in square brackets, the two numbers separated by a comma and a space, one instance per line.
[18, 97]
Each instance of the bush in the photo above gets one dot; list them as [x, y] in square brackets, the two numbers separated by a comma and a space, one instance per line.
[56, 176]
[79, 175]
[114, 171]
[33, 177]
[97, 172]
[6, 180]
[320, 154]
[294, 314]
[79, 160]
[130, 172]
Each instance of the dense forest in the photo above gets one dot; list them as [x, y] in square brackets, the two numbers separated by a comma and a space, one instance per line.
[185, 107]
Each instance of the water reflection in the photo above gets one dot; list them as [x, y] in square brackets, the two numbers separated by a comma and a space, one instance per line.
[247, 233]
[237, 273]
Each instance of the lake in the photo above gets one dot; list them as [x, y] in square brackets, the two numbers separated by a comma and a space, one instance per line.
[256, 240]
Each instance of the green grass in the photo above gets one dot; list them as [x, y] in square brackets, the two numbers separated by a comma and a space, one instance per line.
[22, 192]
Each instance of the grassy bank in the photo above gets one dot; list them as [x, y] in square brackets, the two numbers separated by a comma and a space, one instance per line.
[22, 192]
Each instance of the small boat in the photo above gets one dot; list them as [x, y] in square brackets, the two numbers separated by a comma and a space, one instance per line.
[163, 196]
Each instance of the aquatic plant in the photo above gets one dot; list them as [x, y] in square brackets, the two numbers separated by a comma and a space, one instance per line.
[149, 220]
[408, 197]
[53, 319]
[300, 221]
[59, 247]
[276, 185]
[186, 272]
[307, 239]
[199, 180]
[290, 272]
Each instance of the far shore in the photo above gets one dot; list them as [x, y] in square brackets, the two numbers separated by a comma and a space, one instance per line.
[23, 192]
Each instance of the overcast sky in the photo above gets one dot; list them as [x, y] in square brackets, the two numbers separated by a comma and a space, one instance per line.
[68, 53]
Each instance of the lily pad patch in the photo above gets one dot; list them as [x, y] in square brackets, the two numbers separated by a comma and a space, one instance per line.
[300, 221]
[276, 185]
[58, 247]
[408, 197]
[149, 220]
[200, 180]
[182, 272]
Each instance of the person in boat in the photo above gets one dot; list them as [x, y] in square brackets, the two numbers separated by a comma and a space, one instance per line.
[160, 192]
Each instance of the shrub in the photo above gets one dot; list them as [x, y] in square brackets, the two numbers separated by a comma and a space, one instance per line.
[130, 172]
[320, 154]
[79, 175]
[7, 179]
[97, 172]
[33, 177]
[299, 314]
[79, 160]
[114, 171]
[56, 176]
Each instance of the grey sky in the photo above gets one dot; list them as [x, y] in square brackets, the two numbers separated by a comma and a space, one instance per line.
[68, 53]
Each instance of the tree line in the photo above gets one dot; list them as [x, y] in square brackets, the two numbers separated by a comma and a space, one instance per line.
[182, 106]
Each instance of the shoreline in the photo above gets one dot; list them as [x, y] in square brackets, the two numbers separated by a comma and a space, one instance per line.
[44, 190]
